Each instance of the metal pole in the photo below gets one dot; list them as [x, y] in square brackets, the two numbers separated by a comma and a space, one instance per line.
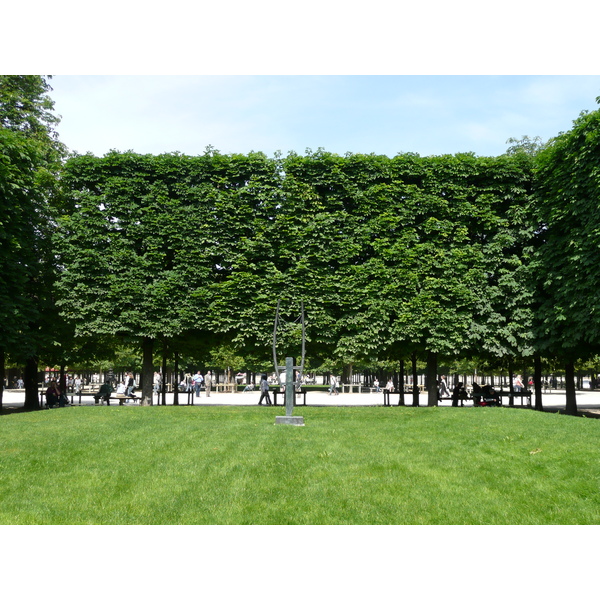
[275, 345]
[289, 386]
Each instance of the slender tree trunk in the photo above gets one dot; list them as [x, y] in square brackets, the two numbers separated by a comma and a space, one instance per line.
[32, 397]
[176, 382]
[147, 371]
[537, 382]
[571, 407]
[2, 375]
[401, 384]
[511, 400]
[432, 388]
[163, 391]
[413, 359]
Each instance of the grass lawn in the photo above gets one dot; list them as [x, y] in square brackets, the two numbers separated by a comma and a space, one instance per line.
[360, 465]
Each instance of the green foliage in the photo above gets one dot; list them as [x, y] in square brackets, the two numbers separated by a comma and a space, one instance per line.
[526, 145]
[225, 358]
[29, 162]
[566, 260]
[26, 107]
[387, 255]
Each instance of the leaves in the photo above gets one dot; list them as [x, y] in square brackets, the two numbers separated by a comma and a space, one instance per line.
[382, 252]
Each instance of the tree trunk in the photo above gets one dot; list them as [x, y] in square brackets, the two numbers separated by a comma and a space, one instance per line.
[511, 400]
[163, 391]
[147, 371]
[401, 384]
[176, 381]
[432, 387]
[571, 407]
[537, 382]
[32, 397]
[2, 375]
[415, 391]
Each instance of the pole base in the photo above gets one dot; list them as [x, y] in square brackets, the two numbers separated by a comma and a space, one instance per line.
[285, 420]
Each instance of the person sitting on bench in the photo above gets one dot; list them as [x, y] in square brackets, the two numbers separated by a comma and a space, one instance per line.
[459, 393]
[490, 395]
[104, 393]
[53, 395]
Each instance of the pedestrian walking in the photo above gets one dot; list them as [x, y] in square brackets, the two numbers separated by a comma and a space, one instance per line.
[264, 391]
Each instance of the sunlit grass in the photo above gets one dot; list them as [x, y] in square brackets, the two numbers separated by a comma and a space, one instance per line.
[233, 465]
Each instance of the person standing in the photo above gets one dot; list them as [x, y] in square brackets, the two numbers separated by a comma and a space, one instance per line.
[208, 383]
[264, 391]
[197, 379]
[157, 382]
[187, 383]
[334, 385]
[443, 388]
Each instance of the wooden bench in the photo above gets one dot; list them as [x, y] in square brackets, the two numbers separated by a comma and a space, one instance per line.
[408, 388]
[122, 398]
[461, 400]
[386, 396]
[224, 387]
[510, 395]
[296, 393]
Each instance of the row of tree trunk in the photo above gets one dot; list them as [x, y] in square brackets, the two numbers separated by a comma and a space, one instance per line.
[32, 400]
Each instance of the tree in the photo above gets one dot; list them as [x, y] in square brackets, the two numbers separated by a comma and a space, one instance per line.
[566, 261]
[147, 240]
[525, 145]
[30, 158]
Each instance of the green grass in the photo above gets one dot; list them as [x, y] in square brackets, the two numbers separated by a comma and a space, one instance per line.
[363, 465]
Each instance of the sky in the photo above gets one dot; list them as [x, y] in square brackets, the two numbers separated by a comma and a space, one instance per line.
[390, 114]
[431, 77]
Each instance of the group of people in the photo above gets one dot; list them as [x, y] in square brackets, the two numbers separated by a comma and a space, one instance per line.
[389, 386]
[56, 391]
[127, 386]
[481, 395]
[194, 383]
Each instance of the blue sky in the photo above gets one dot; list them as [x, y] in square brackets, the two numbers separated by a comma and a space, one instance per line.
[439, 114]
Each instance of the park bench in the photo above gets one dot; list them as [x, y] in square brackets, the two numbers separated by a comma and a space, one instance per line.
[122, 398]
[408, 390]
[522, 395]
[350, 387]
[388, 393]
[296, 393]
[461, 400]
[224, 387]
[504, 394]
